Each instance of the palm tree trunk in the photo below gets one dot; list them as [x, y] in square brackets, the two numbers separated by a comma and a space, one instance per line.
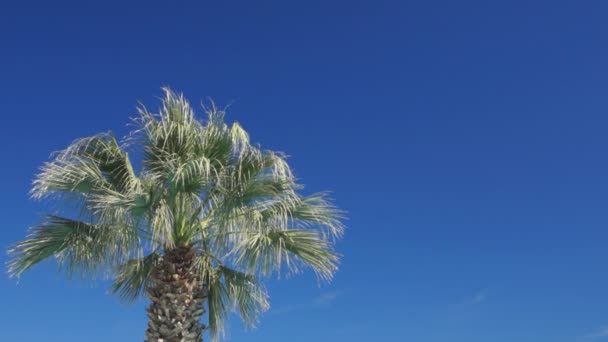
[177, 296]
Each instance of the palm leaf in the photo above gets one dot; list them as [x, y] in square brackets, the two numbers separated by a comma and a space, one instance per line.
[294, 248]
[77, 245]
[233, 290]
[245, 294]
[88, 165]
[133, 276]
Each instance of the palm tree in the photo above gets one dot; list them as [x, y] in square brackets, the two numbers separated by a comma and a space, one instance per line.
[206, 217]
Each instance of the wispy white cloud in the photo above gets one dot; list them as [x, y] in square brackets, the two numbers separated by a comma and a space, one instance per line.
[479, 297]
[600, 334]
[474, 298]
[327, 299]
[324, 300]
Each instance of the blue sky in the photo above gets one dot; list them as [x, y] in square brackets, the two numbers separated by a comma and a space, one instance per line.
[467, 141]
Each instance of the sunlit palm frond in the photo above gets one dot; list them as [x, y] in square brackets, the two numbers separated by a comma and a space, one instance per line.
[161, 220]
[233, 290]
[77, 245]
[256, 176]
[88, 165]
[278, 213]
[317, 211]
[240, 139]
[245, 293]
[216, 143]
[191, 176]
[77, 175]
[294, 248]
[218, 305]
[112, 160]
[172, 134]
[133, 276]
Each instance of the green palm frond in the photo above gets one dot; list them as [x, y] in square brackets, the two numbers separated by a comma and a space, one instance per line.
[161, 223]
[317, 211]
[219, 305]
[113, 161]
[77, 245]
[312, 213]
[240, 139]
[245, 293]
[133, 276]
[77, 175]
[233, 290]
[171, 134]
[190, 176]
[294, 248]
[216, 143]
[88, 165]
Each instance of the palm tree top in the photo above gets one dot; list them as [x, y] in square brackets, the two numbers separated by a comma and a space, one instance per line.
[203, 185]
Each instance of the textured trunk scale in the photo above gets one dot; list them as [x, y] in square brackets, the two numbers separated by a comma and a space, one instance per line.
[177, 296]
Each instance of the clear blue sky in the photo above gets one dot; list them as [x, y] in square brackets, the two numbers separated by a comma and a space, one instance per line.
[467, 140]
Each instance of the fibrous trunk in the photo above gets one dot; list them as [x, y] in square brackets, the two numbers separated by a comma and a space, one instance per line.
[177, 296]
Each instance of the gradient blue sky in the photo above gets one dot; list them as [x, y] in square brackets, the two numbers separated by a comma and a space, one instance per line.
[467, 140]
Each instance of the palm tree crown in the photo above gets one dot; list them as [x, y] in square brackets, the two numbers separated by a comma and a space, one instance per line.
[203, 185]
